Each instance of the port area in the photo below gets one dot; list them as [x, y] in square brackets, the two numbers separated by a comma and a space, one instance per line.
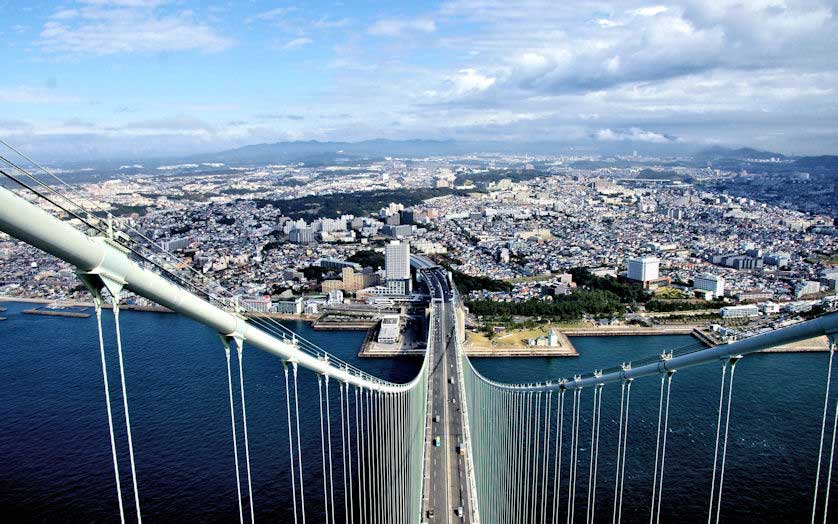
[516, 343]
[411, 341]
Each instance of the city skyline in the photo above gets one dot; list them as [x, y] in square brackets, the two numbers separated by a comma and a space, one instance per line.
[139, 78]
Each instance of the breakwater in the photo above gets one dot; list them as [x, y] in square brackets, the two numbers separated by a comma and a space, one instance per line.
[56, 313]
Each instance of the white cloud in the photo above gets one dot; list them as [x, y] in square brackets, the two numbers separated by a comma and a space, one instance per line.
[634, 134]
[469, 81]
[650, 10]
[127, 26]
[275, 14]
[399, 27]
[607, 22]
[461, 85]
[32, 95]
[297, 42]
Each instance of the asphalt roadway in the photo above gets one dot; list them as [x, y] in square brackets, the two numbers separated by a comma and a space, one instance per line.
[448, 488]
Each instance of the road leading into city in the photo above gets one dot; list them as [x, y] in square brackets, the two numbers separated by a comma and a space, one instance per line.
[448, 485]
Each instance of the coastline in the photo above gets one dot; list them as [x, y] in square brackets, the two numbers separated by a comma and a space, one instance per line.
[82, 304]
[565, 349]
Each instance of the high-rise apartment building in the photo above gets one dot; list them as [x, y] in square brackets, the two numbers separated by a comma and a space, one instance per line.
[643, 269]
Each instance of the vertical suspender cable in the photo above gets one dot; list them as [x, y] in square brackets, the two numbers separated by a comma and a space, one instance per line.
[323, 445]
[375, 455]
[831, 459]
[823, 427]
[382, 455]
[527, 456]
[394, 484]
[362, 462]
[619, 451]
[370, 462]
[557, 461]
[382, 443]
[623, 459]
[597, 392]
[299, 448]
[349, 456]
[663, 446]
[371, 457]
[537, 439]
[716, 448]
[343, 452]
[507, 463]
[385, 456]
[657, 453]
[513, 456]
[329, 448]
[402, 464]
[576, 455]
[733, 362]
[115, 302]
[544, 476]
[574, 445]
[596, 452]
[244, 425]
[98, 303]
[233, 425]
[290, 441]
[519, 430]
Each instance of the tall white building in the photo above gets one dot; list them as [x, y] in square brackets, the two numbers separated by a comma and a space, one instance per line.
[397, 268]
[397, 260]
[707, 282]
[643, 269]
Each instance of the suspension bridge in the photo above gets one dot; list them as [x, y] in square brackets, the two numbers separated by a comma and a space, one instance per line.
[448, 446]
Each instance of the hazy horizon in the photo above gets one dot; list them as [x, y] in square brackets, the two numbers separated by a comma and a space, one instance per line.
[157, 78]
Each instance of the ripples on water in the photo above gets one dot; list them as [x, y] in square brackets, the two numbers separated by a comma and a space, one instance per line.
[55, 458]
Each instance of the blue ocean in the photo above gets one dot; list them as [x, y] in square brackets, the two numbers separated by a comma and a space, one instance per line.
[55, 459]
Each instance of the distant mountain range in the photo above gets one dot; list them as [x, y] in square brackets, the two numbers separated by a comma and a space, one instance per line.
[817, 163]
[313, 150]
[744, 153]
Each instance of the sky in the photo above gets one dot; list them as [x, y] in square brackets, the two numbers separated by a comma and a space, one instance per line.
[134, 78]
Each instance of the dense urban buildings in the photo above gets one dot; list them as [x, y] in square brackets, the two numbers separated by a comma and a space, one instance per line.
[294, 239]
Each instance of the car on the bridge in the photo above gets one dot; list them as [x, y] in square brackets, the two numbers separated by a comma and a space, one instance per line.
[461, 448]
[459, 511]
[430, 513]
[437, 441]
